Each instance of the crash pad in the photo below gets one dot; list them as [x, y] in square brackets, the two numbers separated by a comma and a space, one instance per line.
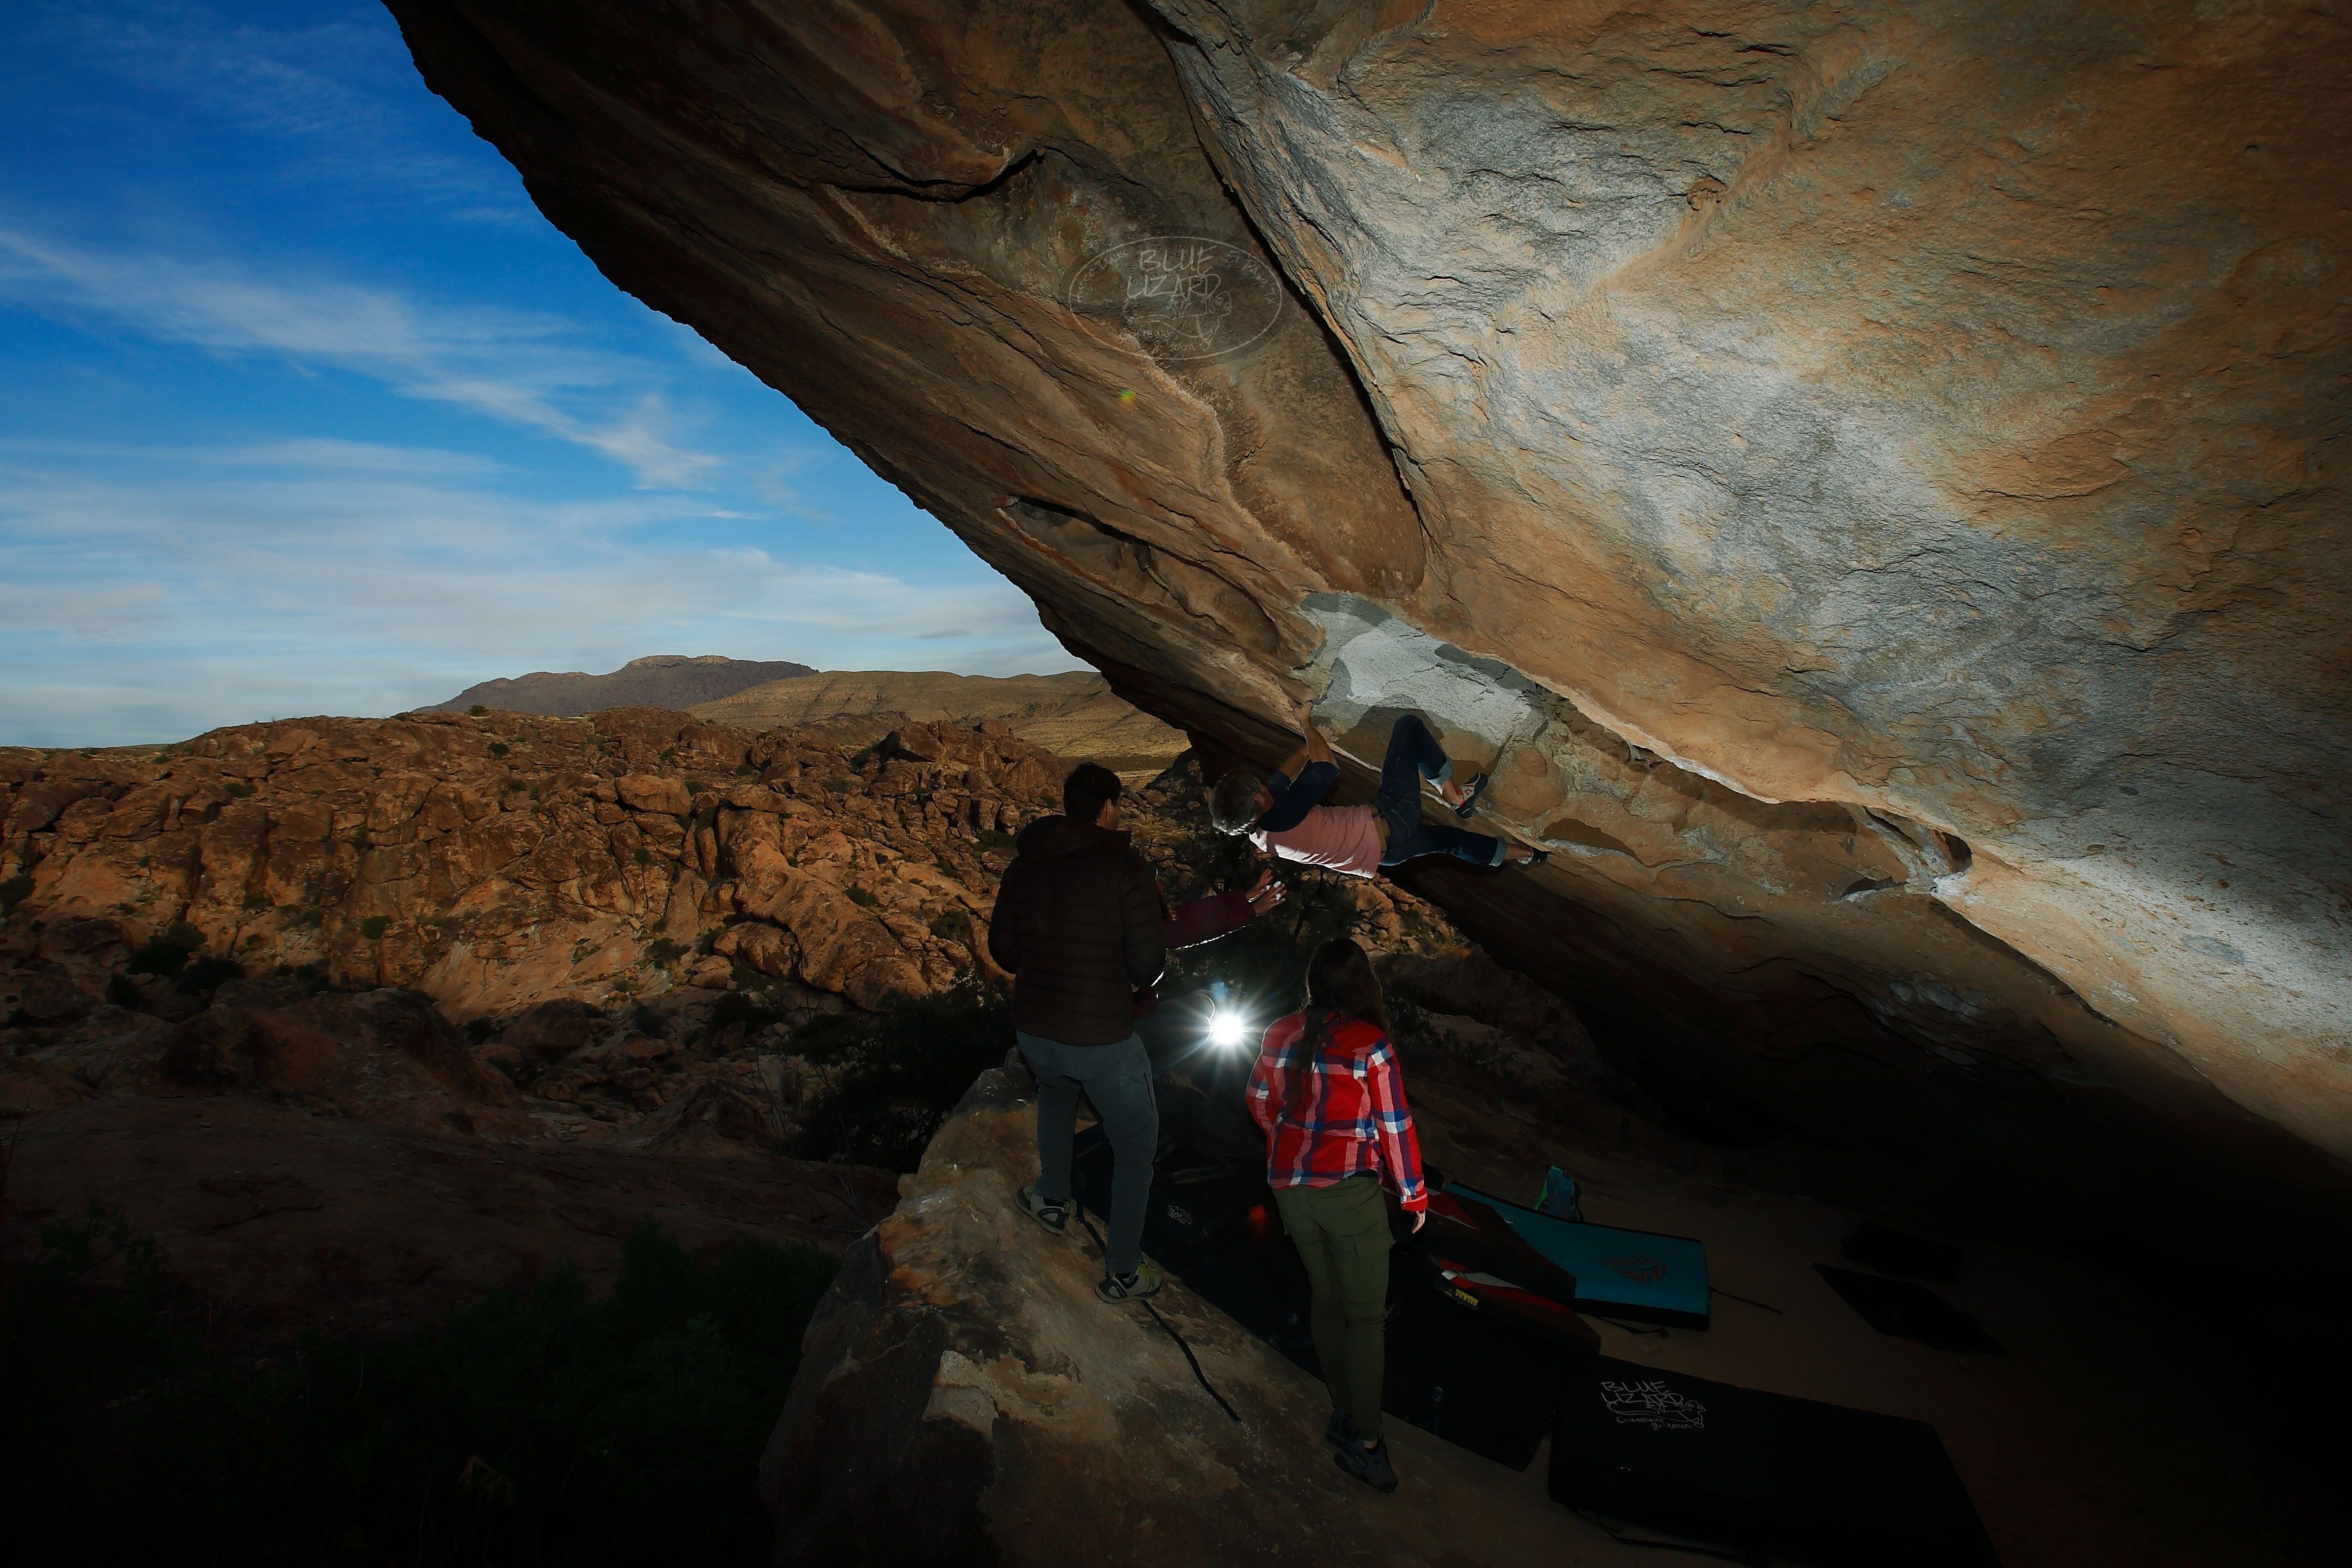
[1638, 1275]
[1907, 1312]
[1811, 1483]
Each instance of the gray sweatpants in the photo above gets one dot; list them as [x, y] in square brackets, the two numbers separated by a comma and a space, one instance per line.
[1117, 1078]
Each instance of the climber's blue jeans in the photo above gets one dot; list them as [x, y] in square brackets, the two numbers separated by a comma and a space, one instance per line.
[1117, 1078]
[1414, 756]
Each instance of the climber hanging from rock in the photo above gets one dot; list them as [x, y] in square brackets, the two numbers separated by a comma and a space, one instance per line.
[1284, 815]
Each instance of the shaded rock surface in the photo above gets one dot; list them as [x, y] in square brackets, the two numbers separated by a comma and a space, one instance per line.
[1868, 478]
[962, 1359]
[287, 1222]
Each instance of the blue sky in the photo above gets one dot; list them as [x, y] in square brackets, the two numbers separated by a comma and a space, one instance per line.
[306, 410]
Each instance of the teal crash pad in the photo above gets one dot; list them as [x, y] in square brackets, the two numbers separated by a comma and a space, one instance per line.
[1638, 1275]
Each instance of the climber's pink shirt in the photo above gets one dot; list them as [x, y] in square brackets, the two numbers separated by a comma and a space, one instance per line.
[1339, 838]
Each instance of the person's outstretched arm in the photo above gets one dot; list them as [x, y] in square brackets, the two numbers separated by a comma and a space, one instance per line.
[1316, 748]
[1392, 1119]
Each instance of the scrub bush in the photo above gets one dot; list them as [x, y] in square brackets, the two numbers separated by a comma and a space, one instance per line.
[895, 1076]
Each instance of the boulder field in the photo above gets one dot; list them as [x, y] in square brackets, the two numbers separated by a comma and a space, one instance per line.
[1867, 478]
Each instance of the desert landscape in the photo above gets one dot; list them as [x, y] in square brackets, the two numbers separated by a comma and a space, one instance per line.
[1852, 496]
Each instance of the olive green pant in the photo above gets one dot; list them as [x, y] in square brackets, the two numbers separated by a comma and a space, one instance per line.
[1342, 1233]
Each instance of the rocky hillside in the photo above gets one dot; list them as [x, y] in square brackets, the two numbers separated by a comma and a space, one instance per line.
[1075, 715]
[584, 969]
[524, 927]
[1867, 476]
[657, 680]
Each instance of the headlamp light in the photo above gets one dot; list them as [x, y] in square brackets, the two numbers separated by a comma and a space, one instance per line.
[1227, 1028]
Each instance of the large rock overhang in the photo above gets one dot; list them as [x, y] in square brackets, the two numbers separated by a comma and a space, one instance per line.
[1871, 476]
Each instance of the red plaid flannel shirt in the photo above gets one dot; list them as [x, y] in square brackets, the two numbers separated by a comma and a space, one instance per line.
[1355, 1118]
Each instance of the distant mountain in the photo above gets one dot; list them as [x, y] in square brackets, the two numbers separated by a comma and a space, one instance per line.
[1074, 715]
[659, 681]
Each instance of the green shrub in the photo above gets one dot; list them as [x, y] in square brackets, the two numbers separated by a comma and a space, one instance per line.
[299, 919]
[545, 1427]
[167, 950]
[643, 855]
[477, 710]
[950, 925]
[740, 1007]
[14, 891]
[990, 838]
[498, 748]
[257, 900]
[663, 952]
[374, 926]
[864, 900]
[238, 789]
[898, 1074]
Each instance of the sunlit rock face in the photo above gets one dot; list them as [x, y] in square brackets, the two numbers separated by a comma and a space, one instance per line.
[1868, 476]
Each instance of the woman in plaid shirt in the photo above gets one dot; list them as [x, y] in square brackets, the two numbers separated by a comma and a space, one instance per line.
[1326, 1092]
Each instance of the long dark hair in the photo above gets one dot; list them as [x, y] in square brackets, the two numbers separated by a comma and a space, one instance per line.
[1340, 985]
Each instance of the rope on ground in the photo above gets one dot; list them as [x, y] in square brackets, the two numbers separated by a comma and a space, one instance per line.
[1749, 1300]
[1165, 1326]
[1646, 1332]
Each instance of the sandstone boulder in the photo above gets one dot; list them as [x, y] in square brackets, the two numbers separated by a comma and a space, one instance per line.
[647, 792]
[1867, 574]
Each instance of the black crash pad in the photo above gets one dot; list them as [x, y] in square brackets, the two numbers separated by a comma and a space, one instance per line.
[1478, 1381]
[1907, 1312]
[1813, 1482]
[1901, 1254]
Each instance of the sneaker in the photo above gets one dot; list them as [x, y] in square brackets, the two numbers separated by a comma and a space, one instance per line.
[1340, 1430]
[1370, 1466]
[1470, 793]
[1054, 1217]
[1144, 1283]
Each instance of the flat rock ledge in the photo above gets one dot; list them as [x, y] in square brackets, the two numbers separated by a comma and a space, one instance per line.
[964, 1398]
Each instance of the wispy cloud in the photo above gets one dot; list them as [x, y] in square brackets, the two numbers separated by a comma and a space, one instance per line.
[524, 369]
[315, 87]
[170, 597]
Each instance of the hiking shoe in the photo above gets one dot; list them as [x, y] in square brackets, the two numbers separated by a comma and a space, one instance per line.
[1144, 1283]
[1340, 1430]
[1370, 1466]
[1054, 1217]
[1470, 793]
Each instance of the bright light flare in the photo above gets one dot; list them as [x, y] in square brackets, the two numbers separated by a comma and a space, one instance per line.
[1227, 1029]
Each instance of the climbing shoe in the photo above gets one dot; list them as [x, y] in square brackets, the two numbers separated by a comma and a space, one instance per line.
[1536, 857]
[1054, 1217]
[1370, 1466]
[1470, 793]
[1340, 1430]
[1142, 1284]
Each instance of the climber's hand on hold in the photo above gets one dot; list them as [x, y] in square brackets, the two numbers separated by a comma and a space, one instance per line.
[1265, 893]
[1302, 713]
